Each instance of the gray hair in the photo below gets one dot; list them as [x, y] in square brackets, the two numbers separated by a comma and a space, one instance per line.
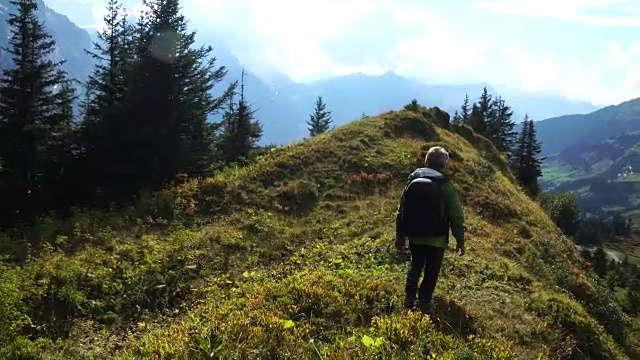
[437, 157]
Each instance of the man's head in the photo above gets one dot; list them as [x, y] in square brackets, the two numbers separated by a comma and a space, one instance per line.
[437, 157]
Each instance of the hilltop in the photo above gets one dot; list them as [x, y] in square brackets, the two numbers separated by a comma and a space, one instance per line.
[292, 256]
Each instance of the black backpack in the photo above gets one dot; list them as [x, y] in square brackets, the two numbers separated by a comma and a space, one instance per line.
[423, 209]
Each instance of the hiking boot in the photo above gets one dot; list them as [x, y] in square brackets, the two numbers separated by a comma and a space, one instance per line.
[409, 305]
[425, 308]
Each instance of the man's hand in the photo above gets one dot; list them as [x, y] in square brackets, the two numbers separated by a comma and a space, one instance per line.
[401, 243]
[460, 249]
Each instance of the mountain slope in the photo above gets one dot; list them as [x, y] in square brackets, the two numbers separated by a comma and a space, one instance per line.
[293, 256]
[71, 41]
[596, 156]
[604, 175]
[351, 95]
[561, 132]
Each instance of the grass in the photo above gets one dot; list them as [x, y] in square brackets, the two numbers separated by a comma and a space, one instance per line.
[555, 175]
[627, 245]
[292, 256]
[635, 217]
[635, 178]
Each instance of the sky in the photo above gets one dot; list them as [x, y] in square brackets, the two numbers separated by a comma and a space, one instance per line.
[583, 49]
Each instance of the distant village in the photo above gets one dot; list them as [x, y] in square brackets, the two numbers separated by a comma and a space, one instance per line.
[625, 172]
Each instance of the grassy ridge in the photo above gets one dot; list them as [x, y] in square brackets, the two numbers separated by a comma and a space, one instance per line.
[293, 256]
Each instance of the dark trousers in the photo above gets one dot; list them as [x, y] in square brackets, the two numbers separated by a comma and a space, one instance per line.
[427, 258]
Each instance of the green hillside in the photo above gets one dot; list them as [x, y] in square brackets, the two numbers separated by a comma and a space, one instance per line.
[292, 257]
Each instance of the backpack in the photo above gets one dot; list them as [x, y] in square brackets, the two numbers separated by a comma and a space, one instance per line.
[423, 212]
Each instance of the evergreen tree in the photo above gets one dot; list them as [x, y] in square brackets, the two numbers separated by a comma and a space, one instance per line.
[103, 119]
[500, 126]
[476, 121]
[527, 164]
[457, 119]
[167, 103]
[487, 112]
[240, 130]
[533, 159]
[320, 121]
[517, 156]
[36, 98]
[465, 111]
[599, 261]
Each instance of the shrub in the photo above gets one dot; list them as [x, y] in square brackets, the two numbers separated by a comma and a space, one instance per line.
[563, 209]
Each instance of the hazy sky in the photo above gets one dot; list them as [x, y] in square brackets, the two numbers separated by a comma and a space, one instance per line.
[584, 49]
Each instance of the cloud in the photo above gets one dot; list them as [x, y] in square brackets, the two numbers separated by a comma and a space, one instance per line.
[592, 12]
[314, 39]
[611, 77]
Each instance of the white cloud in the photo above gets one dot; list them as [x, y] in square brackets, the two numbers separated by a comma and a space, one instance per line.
[98, 13]
[593, 12]
[611, 78]
[314, 39]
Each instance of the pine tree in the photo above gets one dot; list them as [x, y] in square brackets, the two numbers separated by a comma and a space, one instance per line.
[517, 156]
[36, 98]
[599, 261]
[487, 112]
[240, 130]
[476, 121]
[533, 160]
[168, 102]
[320, 121]
[465, 111]
[107, 84]
[500, 126]
[457, 119]
[105, 90]
[527, 165]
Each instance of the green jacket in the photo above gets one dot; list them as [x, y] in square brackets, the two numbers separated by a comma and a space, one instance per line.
[452, 209]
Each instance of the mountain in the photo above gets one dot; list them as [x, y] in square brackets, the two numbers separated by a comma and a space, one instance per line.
[596, 156]
[604, 175]
[561, 132]
[70, 40]
[293, 254]
[349, 96]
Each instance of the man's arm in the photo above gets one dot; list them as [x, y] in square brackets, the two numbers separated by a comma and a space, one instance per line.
[454, 213]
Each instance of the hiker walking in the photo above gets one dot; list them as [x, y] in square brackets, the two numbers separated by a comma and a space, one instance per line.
[428, 208]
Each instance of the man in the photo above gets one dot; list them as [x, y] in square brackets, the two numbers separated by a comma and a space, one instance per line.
[428, 208]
